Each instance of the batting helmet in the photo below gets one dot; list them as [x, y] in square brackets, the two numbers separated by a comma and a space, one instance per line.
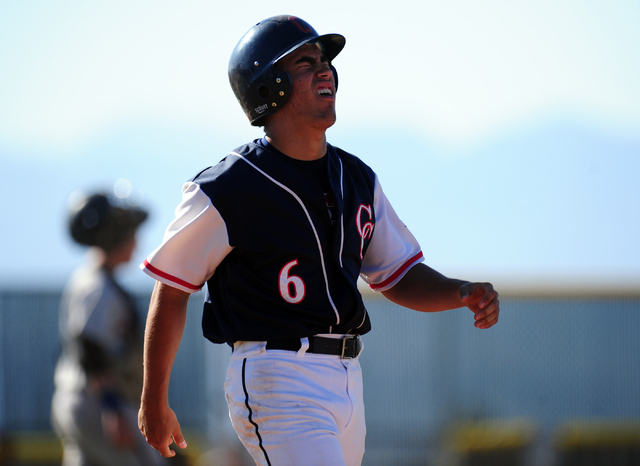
[95, 220]
[261, 88]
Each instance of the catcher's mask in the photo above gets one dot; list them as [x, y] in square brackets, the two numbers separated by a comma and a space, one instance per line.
[260, 87]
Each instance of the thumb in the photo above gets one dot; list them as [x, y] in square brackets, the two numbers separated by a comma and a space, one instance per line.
[465, 291]
[178, 438]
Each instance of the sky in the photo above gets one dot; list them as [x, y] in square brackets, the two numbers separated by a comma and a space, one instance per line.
[506, 134]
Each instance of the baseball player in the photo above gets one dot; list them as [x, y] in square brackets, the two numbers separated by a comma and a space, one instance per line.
[278, 233]
[98, 377]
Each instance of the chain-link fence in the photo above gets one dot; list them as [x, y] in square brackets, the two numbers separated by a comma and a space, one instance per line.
[557, 378]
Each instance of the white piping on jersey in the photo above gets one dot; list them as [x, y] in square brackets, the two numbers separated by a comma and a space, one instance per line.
[341, 215]
[364, 318]
[315, 233]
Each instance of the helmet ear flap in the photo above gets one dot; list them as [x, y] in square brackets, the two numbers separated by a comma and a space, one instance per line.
[335, 75]
[268, 94]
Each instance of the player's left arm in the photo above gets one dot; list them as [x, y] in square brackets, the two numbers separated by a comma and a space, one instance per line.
[424, 289]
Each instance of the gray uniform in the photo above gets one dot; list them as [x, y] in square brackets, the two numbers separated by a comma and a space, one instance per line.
[99, 371]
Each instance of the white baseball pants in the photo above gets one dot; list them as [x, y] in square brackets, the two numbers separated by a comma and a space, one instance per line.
[296, 408]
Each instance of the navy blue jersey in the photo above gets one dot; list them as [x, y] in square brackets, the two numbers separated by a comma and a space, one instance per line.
[258, 231]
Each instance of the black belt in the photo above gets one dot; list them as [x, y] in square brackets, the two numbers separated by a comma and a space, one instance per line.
[347, 347]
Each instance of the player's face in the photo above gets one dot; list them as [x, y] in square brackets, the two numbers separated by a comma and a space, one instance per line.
[313, 86]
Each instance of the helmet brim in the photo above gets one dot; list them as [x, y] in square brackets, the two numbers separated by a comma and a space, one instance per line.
[331, 43]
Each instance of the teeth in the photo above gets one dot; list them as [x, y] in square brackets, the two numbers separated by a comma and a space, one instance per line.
[325, 91]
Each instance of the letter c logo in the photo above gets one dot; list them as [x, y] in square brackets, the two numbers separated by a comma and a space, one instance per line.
[295, 20]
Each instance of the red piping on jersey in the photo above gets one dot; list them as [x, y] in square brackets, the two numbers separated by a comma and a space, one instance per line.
[170, 278]
[398, 272]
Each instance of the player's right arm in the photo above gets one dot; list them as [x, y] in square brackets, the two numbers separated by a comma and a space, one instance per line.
[165, 326]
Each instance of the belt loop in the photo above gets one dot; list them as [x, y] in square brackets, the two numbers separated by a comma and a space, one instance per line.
[304, 346]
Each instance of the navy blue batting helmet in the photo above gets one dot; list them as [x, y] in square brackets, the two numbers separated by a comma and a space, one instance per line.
[261, 88]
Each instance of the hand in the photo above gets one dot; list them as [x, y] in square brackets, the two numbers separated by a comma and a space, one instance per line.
[160, 428]
[483, 300]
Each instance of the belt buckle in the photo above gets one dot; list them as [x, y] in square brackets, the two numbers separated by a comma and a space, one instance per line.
[356, 347]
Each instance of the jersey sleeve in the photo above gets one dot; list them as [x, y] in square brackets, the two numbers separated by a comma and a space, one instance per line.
[194, 243]
[393, 250]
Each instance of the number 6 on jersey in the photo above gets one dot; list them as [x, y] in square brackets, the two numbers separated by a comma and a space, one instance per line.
[292, 287]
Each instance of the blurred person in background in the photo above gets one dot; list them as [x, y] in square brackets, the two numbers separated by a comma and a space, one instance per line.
[98, 378]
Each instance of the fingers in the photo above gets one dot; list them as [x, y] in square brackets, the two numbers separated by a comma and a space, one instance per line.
[488, 317]
[483, 301]
[160, 432]
[163, 447]
[165, 450]
[178, 439]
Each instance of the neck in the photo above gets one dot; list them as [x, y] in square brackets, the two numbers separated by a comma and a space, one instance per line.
[298, 143]
[102, 258]
[108, 260]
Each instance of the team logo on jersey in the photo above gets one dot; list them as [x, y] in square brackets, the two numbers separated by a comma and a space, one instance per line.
[365, 230]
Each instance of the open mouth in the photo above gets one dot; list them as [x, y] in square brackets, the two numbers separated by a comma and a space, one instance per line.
[325, 91]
